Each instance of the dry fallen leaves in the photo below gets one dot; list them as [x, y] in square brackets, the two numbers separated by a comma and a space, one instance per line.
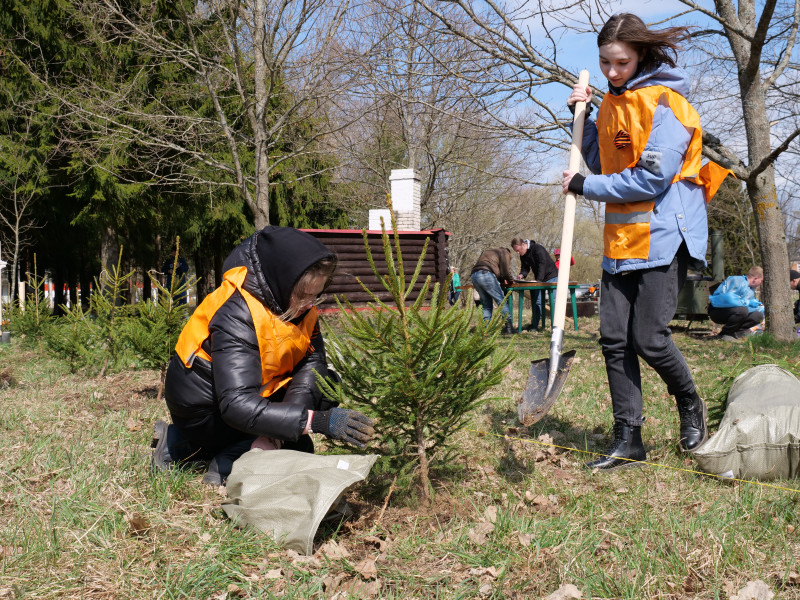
[332, 550]
[490, 572]
[793, 578]
[525, 539]
[565, 592]
[138, 525]
[367, 569]
[754, 590]
[353, 588]
[479, 534]
[382, 545]
[301, 559]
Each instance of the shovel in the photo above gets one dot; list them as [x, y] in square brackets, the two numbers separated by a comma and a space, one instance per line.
[546, 377]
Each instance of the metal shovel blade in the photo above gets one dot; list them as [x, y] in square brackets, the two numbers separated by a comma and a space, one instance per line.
[536, 399]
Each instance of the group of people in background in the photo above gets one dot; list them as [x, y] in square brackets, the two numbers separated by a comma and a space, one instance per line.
[492, 273]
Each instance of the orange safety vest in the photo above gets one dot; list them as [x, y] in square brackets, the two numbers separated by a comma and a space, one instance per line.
[281, 345]
[623, 126]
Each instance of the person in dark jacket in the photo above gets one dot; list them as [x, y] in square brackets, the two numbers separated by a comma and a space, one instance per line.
[490, 273]
[794, 283]
[243, 373]
[534, 257]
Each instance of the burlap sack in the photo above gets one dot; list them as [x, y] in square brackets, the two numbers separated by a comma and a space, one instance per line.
[759, 436]
[287, 493]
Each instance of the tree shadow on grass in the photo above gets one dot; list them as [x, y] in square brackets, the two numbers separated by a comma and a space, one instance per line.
[526, 447]
[695, 328]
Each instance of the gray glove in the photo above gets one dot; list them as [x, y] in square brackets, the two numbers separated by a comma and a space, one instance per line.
[344, 424]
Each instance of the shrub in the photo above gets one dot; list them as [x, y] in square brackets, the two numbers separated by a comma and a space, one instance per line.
[420, 369]
[31, 323]
[73, 339]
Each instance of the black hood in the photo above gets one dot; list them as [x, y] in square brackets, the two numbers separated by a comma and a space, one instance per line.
[275, 258]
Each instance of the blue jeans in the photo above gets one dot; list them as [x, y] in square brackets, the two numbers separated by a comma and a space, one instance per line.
[488, 288]
[635, 309]
[538, 300]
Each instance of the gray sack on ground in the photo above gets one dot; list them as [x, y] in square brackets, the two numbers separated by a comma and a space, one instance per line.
[759, 436]
[287, 493]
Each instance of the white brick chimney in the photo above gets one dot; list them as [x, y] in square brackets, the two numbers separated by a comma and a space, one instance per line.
[405, 185]
[375, 216]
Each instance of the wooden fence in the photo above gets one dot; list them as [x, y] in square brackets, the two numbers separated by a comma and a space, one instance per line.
[348, 244]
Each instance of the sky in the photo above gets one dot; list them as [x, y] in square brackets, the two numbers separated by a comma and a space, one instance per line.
[579, 51]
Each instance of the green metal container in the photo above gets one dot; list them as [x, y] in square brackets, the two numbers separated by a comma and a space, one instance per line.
[693, 297]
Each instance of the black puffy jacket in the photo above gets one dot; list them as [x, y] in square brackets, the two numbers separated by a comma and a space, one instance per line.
[229, 385]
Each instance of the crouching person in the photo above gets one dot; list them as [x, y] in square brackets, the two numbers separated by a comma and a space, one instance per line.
[243, 371]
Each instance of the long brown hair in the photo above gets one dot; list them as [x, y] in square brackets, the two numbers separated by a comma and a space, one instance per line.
[322, 268]
[654, 45]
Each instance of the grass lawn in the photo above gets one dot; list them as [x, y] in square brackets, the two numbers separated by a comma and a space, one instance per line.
[517, 517]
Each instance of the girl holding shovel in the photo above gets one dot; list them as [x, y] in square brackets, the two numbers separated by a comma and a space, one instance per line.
[644, 153]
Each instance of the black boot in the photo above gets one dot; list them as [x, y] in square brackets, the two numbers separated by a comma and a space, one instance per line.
[170, 448]
[693, 413]
[508, 328]
[625, 450]
[222, 464]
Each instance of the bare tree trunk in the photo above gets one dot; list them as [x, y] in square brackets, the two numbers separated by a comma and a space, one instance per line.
[109, 250]
[424, 473]
[202, 265]
[769, 223]
[761, 176]
[147, 290]
[263, 79]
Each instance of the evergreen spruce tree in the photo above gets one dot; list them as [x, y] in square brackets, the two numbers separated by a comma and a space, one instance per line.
[421, 368]
[73, 338]
[110, 311]
[154, 330]
[31, 322]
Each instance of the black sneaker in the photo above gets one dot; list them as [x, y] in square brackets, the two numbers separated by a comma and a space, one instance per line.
[170, 448]
[160, 459]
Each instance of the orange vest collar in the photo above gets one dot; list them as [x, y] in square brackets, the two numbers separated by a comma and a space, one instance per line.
[281, 345]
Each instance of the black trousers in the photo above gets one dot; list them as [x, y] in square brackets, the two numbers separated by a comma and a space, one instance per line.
[735, 321]
[635, 310]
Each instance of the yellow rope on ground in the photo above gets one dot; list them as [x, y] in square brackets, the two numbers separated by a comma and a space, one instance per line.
[640, 462]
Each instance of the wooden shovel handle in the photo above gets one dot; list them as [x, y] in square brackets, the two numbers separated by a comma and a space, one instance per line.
[569, 211]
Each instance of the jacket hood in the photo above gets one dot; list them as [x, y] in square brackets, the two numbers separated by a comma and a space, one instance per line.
[675, 78]
[275, 258]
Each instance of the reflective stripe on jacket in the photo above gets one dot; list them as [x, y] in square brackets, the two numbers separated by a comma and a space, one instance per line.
[645, 150]
[281, 345]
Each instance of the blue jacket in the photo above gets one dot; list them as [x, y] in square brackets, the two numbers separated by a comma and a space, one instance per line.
[734, 292]
[680, 208]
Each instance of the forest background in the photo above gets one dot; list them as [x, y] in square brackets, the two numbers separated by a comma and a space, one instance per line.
[128, 123]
